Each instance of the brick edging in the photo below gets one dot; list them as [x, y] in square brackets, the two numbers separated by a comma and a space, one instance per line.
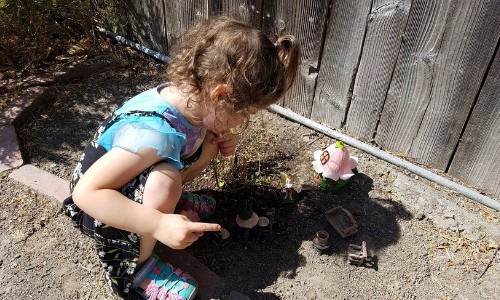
[28, 98]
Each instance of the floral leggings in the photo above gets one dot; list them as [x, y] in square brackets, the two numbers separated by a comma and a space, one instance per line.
[118, 250]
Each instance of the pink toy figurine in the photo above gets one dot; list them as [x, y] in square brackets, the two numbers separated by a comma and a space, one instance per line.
[333, 163]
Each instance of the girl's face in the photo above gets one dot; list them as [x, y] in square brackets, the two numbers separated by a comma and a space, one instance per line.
[220, 121]
[220, 116]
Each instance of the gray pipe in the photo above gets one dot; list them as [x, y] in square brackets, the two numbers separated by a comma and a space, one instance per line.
[387, 157]
[340, 136]
[135, 45]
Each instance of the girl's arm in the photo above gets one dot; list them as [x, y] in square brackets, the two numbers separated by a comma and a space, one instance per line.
[96, 194]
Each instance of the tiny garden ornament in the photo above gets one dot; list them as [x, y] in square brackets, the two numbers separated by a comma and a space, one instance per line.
[333, 166]
[287, 182]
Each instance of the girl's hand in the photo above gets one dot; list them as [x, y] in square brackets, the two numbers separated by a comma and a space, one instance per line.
[226, 142]
[191, 215]
[178, 232]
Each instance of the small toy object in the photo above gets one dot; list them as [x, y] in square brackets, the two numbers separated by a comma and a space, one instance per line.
[262, 224]
[246, 219]
[287, 182]
[358, 255]
[221, 237]
[224, 233]
[321, 241]
[333, 166]
[342, 220]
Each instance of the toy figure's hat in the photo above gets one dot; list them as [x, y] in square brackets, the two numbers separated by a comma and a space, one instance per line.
[248, 223]
[246, 217]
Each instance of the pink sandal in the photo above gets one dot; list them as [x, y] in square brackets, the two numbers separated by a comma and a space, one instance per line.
[203, 205]
[167, 282]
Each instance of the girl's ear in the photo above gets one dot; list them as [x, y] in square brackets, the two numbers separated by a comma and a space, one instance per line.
[220, 91]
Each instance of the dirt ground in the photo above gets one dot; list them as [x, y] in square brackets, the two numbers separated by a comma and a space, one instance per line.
[425, 241]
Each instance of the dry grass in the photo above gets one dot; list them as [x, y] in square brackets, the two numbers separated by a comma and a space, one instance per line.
[34, 33]
[246, 167]
[471, 255]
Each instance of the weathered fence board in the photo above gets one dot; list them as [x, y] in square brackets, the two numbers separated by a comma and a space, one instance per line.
[339, 61]
[386, 23]
[147, 23]
[472, 31]
[248, 10]
[306, 20]
[409, 75]
[411, 84]
[476, 160]
[181, 15]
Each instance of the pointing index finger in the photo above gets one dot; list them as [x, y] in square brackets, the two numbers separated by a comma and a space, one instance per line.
[199, 226]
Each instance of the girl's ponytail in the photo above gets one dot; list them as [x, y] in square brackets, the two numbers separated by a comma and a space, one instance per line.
[289, 54]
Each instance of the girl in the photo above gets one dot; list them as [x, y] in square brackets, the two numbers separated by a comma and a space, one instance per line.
[223, 72]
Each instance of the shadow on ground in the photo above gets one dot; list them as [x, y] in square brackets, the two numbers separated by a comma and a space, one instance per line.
[58, 130]
[55, 135]
[249, 264]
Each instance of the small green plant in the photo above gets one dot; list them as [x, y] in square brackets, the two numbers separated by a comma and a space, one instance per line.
[246, 167]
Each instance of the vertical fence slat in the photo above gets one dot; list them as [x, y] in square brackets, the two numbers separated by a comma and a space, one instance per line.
[345, 32]
[469, 42]
[477, 160]
[306, 20]
[248, 10]
[147, 20]
[380, 51]
[181, 15]
[411, 84]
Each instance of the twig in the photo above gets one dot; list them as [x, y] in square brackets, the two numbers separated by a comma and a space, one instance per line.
[458, 229]
[489, 263]
[86, 269]
[314, 140]
[215, 168]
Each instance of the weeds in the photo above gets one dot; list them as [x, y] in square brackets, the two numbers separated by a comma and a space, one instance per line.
[251, 164]
[37, 31]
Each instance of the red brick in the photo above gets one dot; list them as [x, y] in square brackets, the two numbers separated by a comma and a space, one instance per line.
[10, 155]
[42, 181]
[23, 101]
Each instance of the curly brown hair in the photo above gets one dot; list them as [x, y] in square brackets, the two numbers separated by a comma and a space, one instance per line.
[223, 50]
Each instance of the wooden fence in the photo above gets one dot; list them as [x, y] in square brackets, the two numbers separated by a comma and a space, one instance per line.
[417, 78]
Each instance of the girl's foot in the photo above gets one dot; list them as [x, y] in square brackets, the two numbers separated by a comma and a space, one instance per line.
[203, 205]
[159, 280]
